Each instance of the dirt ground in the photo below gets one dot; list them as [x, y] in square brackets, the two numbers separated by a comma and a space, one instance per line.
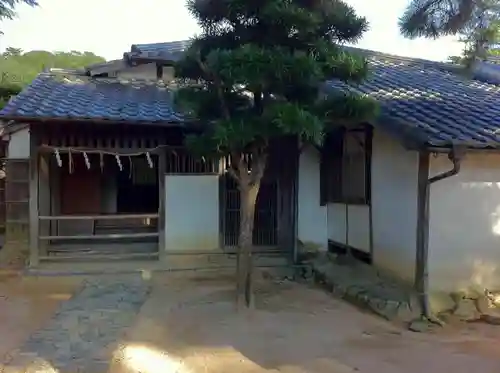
[192, 327]
[26, 305]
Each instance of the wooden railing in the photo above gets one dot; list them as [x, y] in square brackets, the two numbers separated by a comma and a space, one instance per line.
[67, 246]
[146, 218]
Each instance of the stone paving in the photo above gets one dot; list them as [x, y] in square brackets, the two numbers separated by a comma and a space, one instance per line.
[82, 334]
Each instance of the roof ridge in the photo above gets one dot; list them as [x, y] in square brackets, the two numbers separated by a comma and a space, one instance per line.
[78, 74]
[145, 48]
[60, 70]
[136, 47]
[444, 66]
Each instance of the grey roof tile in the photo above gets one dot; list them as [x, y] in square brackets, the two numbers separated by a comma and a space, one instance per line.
[169, 51]
[426, 100]
[54, 95]
[431, 103]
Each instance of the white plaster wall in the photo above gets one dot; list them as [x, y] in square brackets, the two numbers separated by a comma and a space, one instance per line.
[356, 233]
[191, 212]
[358, 229]
[394, 206]
[312, 217]
[464, 236]
[146, 71]
[19, 144]
[337, 226]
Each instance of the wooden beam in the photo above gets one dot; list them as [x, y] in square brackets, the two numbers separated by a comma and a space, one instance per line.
[99, 217]
[162, 170]
[90, 257]
[34, 227]
[100, 236]
[125, 152]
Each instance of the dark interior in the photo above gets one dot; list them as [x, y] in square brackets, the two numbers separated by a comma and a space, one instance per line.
[137, 196]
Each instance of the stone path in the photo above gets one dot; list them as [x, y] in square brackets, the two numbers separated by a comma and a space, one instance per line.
[81, 335]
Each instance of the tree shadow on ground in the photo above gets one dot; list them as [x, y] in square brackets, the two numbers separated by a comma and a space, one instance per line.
[294, 328]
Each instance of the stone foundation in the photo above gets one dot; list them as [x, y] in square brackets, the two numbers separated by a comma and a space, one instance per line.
[364, 286]
[473, 306]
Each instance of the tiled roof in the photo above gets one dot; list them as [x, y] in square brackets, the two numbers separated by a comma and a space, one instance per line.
[170, 51]
[56, 95]
[423, 100]
[428, 102]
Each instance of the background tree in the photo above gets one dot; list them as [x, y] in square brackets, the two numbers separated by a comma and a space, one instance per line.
[478, 44]
[6, 92]
[475, 21]
[12, 52]
[18, 69]
[255, 73]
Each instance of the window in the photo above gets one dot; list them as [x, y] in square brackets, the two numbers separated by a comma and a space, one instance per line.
[345, 166]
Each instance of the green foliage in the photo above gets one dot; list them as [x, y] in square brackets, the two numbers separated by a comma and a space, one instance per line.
[6, 92]
[477, 22]
[434, 18]
[257, 71]
[18, 69]
[477, 44]
[3, 102]
[336, 108]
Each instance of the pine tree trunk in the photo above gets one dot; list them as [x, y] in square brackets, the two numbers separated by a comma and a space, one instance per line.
[244, 268]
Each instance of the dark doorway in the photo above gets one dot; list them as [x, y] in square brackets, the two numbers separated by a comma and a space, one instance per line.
[137, 188]
[80, 189]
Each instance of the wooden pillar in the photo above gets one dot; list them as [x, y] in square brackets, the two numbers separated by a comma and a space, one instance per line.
[44, 199]
[294, 214]
[162, 168]
[34, 222]
[286, 167]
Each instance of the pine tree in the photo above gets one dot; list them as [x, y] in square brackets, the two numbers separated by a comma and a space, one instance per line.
[475, 21]
[7, 8]
[478, 44]
[256, 73]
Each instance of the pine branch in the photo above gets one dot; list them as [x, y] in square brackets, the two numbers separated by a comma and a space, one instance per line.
[434, 18]
[210, 75]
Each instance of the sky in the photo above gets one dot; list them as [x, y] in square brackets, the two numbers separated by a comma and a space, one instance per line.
[109, 27]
